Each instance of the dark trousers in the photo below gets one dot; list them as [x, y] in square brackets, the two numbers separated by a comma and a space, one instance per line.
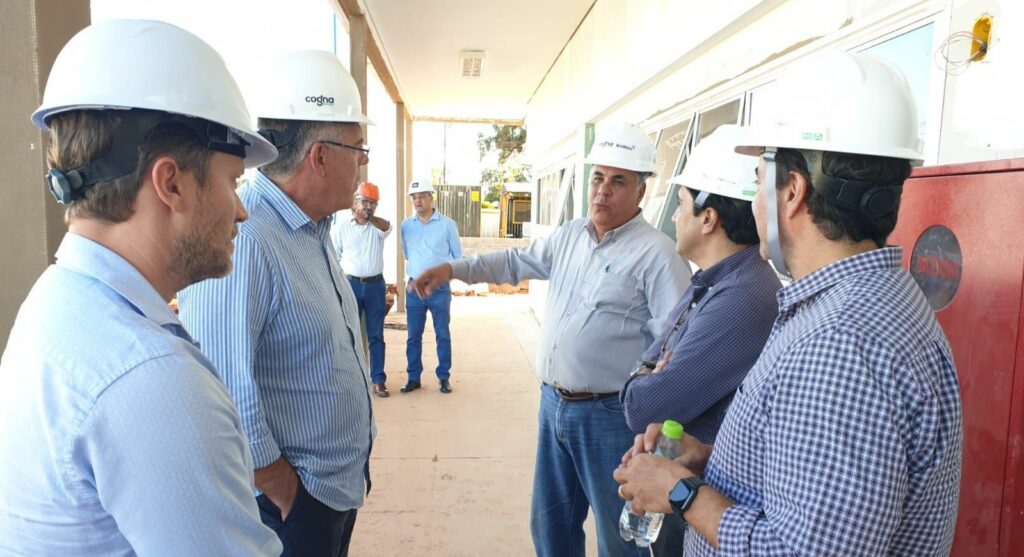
[312, 529]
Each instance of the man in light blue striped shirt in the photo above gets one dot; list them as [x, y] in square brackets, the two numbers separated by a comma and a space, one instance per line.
[283, 328]
[116, 437]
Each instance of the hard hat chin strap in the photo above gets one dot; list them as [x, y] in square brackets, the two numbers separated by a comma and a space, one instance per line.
[774, 245]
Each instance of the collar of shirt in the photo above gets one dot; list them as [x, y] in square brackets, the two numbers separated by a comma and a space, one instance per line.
[433, 216]
[622, 229]
[84, 256]
[834, 273]
[719, 271]
[293, 216]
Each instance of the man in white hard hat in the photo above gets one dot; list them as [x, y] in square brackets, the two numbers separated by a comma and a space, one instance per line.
[428, 239]
[116, 436]
[717, 330]
[614, 278]
[846, 436]
[283, 329]
[359, 247]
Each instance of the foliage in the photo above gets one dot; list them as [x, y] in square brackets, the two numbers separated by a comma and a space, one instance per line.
[507, 142]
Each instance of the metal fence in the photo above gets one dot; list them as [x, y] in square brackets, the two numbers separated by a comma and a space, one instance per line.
[462, 205]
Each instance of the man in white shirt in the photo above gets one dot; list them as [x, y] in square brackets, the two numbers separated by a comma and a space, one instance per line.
[359, 245]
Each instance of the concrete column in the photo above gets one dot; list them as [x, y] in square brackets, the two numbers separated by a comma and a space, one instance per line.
[401, 123]
[357, 34]
[31, 222]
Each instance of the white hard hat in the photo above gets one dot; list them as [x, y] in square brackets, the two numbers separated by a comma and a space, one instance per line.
[126, 64]
[421, 185]
[842, 102]
[310, 85]
[715, 167]
[622, 145]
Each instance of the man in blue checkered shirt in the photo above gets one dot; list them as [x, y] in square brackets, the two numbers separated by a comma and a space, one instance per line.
[846, 436]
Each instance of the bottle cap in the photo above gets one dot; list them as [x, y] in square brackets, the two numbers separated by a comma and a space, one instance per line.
[672, 429]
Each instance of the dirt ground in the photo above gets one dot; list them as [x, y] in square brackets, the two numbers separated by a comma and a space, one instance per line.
[452, 474]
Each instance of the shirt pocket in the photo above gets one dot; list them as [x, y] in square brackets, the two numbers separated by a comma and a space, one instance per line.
[614, 293]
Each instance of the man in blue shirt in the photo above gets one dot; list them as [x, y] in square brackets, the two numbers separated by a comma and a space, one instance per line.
[116, 436]
[428, 239]
[846, 436]
[716, 332]
[283, 329]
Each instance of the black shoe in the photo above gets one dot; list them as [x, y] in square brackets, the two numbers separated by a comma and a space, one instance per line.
[410, 386]
[446, 386]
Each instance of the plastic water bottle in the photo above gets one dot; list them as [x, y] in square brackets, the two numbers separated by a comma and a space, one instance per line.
[645, 529]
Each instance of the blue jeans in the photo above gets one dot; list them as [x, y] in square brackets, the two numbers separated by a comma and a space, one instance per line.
[439, 303]
[579, 445]
[372, 300]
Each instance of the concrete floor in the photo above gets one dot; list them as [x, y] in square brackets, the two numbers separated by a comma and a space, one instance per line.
[452, 474]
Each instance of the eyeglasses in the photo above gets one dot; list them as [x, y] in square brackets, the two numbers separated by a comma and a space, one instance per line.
[363, 150]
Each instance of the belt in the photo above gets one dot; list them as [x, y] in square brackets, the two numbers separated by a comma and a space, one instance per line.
[582, 397]
[374, 278]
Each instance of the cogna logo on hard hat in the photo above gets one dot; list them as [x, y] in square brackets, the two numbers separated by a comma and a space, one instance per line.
[320, 100]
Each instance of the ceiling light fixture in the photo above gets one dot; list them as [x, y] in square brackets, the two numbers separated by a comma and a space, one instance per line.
[472, 63]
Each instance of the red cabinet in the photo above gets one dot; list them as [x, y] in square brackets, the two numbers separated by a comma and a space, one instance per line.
[962, 229]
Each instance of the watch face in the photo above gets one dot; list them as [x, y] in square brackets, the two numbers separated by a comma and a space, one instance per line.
[679, 495]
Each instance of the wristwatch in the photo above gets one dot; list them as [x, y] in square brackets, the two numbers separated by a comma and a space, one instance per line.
[643, 368]
[683, 494]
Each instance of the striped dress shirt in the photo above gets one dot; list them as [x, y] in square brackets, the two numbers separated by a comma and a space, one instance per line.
[718, 330]
[359, 247]
[283, 330]
[845, 437]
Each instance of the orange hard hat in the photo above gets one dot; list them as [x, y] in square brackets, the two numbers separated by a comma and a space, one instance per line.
[368, 191]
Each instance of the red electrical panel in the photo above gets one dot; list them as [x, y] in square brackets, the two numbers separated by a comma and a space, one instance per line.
[962, 230]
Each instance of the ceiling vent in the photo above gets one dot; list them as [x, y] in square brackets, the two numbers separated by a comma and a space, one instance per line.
[473, 63]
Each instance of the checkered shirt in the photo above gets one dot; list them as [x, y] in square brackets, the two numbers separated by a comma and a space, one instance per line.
[846, 436]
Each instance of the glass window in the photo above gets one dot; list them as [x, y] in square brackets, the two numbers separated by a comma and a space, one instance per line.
[666, 160]
[548, 192]
[728, 113]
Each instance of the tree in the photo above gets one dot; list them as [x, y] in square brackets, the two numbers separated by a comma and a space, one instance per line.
[507, 142]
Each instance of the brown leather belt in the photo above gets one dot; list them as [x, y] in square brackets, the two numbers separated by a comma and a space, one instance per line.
[582, 397]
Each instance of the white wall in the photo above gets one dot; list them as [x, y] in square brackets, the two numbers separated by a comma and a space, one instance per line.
[651, 62]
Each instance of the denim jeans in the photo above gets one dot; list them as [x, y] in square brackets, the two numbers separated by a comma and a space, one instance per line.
[372, 300]
[579, 445]
[439, 303]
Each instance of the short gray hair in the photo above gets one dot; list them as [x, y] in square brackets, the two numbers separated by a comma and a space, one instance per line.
[291, 155]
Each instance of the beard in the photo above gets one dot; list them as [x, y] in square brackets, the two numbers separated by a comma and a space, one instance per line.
[202, 253]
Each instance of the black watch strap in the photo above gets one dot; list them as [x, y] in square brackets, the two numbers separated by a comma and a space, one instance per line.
[683, 495]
